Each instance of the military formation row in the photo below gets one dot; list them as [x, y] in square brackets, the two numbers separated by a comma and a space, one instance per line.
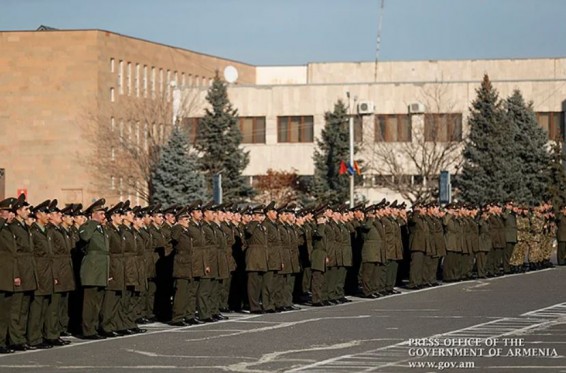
[103, 271]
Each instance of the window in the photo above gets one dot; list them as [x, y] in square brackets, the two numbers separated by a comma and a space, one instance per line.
[111, 65]
[393, 128]
[382, 180]
[168, 82]
[112, 182]
[112, 124]
[153, 81]
[144, 80]
[190, 80]
[121, 77]
[295, 129]
[137, 80]
[358, 129]
[197, 80]
[160, 80]
[253, 130]
[111, 94]
[129, 78]
[552, 123]
[183, 79]
[191, 126]
[112, 154]
[446, 127]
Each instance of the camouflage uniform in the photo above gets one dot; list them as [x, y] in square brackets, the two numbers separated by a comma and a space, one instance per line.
[537, 234]
[523, 237]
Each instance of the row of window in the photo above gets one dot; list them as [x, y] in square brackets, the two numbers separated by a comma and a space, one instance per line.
[445, 127]
[140, 80]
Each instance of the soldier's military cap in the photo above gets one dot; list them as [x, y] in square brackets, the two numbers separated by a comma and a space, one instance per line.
[42, 207]
[116, 209]
[196, 205]
[8, 203]
[358, 207]
[393, 204]
[96, 206]
[68, 209]
[259, 209]
[126, 206]
[21, 202]
[172, 209]
[208, 206]
[78, 209]
[53, 206]
[183, 212]
[269, 207]
[155, 209]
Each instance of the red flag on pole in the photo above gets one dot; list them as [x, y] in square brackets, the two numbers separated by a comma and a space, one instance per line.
[343, 169]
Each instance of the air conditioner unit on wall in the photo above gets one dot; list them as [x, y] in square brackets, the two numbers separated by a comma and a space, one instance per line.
[416, 108]
[366, 107]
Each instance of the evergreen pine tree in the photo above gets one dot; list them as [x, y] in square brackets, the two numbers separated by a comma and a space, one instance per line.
[530, 144]
[331, 149]
[556, 175]
[176, 177]
[491, 169]
[218, 141]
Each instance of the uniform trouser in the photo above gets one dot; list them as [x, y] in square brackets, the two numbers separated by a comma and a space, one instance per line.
[481, 263]
[331, 280]
[368, 274]
[255, 290]
[92, 306]
[43, 319]
[139, 304]
[19, 317]
[449, 266]
[391, 276]
[224, 294]
[416, 268]
[217, 286]
[561, 253]
[288, 290]
[127, 309]
[5, 308]
[381, 277]
[112, 315]
[317, 286]
[495, 257]
[507, 254]
[341, 282]
[184, 301]
[64, 312]
[268, 290]
[279, 289]
[306, 280]
[204, 298]
[150, 298]
[430, 269]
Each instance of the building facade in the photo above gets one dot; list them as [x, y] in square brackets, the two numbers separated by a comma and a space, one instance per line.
[53, 83]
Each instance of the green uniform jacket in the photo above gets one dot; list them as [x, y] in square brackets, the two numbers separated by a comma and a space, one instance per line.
[318, 256]
[131, 271]
[452, 233]
[285, 237]
[510, 227]
[117, 245]
[306, 247]
[473, 234]
[373, 241]
[497, 230]
[43, 257]
[8, 262]
[256, 248]
[158, 244]
[333, 241]
[418, 233]
[200, 259]
[141, 248]
[561, 227]
[231, 233]
[211, 248]
[274, 260]
[62, 261]
[25, 265]
[166, 231]
[468, 227]
[484, 236]
[222, 252]
[183, 249]
[95, 265]
[344, 246]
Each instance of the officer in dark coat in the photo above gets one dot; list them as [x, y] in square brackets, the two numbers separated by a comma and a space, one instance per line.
[255, 252]
[510, 219]
[274, 260]
[95, 267]
[319, 260]
[25, 280]
[8, 270]
[418, 242]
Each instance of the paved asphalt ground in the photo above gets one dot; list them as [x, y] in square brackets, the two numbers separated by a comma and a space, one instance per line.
[467, 318]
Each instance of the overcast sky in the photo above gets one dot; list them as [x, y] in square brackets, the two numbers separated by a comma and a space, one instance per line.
[293, 32]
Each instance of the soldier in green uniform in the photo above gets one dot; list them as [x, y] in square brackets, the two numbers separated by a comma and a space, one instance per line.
[497, 230]
[184, 300]
[201, 266]
[141, 266]
[67, 232]
[8, 270]
[63, 274]
[319, 259]
[274, 259]
[343, 253]
[372, 254]
[131, 271]
[561, 236]
[484, 244]
[255, 253]
[520, 252]
[510, 220]
[232, 235]
[25, 281]
[418, 244]
[450, 221]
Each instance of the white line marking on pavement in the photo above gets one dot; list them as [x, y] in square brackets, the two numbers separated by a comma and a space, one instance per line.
[153, 354]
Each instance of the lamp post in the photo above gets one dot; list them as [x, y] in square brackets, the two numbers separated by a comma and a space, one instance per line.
[351, 135]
